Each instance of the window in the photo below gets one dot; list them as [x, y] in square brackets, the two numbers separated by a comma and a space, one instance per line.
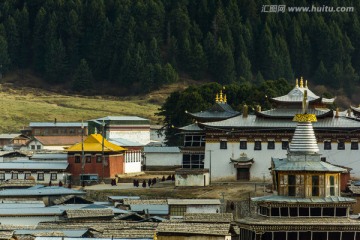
[292, 185]
[77, 159]
[193, 161]
[271, 145]
[27, 175]
[178, 210]
[327, 145]
[98, 158]
[40, 177]
[243, 144]
[354, 145]
[315, 185]
[37, 131]
[88, 159]
[53, 176]
[284, 145]
[14, 175]
[71, 131]
[223, 144]
[2, 176]
[38, 147]
[332, 185]
[194, 141]
[32, 147]
[341, 145]
[257, 145]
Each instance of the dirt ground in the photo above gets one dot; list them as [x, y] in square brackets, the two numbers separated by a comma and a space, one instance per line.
[166, 189]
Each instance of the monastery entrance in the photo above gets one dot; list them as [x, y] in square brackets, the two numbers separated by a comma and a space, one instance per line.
[243, 174]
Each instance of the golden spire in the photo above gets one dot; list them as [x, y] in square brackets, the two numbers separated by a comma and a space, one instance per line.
[301, 82]
[217, 98]
[306, 84]
[155, 236]
[297, 83]
[337, 113]
[221, 96]
[225, 100]
[305, 117]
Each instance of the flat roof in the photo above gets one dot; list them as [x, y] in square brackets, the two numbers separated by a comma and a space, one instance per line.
[58, 124]
[28, 164]
[198, 201]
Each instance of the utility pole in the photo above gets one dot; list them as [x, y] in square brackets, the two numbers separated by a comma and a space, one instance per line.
[102, 149]
[210, 167]
[82, 155]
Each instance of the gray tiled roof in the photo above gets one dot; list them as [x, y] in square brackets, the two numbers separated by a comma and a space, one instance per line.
[219, 110]
[89, 213]
[319, 166]
[122, 118]
[49, 232]
[280, 199]
[221, 229]
[161, 149]
[257, 122]
[208, 217]
[193, 201]
[33, 211]
[57, 124]
[27, 165]
[9, 136]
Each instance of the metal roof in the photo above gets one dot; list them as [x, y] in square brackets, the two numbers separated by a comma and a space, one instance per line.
[290, 112]
[28, 164]
[161, 150]
[251, 121]
[86, 238]
[25, 204]
[122, 118]
[48, 156]
[30, 211]
[9, 136]
[287, 199]
[40, 190]
[192, 128]
[57, 124]
[297, 95]
[311, 166]
[124, 142]
[193, 201]
[153, 209]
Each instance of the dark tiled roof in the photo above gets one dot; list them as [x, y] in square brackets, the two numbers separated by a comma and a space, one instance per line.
[208, 217]
[220, 229]
[218, 111]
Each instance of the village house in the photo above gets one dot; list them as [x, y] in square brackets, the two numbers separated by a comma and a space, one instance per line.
[6, 139]
[95, 159]
[162, 158]
[41, 172]
[131, 128]
[178, 207]
[133, 154]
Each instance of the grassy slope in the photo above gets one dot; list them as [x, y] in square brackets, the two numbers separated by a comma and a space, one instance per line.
[21, 105]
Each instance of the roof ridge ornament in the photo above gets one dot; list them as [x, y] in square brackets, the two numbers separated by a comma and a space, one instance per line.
[217, 98]
[301, 82]
[306, 85]
[225, 100]
[305, 117]
[221, 96]
[297, 83]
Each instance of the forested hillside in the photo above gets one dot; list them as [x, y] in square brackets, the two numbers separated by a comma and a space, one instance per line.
[137, 46]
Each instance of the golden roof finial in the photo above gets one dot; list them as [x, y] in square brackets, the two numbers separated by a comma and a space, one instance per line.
[301, 82]
[217, 98]
[225, 100]
[297, 83]
[337, 113]
[306, 84]
[155, 236]
[221, 96]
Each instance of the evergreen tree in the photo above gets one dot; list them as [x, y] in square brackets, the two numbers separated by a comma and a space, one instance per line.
[244, 67]
[55, 62]
[321, 74]
[83, 78]
[225, 69]
[22, 22]
[39, 41]
[4, 56]
[12, 36]
[197, 62]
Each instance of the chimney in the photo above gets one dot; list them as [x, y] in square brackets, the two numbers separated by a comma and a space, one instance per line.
[258, 108]
[245, 111]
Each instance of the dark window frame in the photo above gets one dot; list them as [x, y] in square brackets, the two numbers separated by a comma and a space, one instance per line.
[257, 145]
[327, 145]
[341, 144]
[88, 159]
[284, 145]
[243, 144]
[354, 145]
[223, 144]
[52, 178]
[77, 159]
[40, 176]
[271, 145]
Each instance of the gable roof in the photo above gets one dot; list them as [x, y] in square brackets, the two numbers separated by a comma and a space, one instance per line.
[219, 111]
[58, 140]
[93, 143]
